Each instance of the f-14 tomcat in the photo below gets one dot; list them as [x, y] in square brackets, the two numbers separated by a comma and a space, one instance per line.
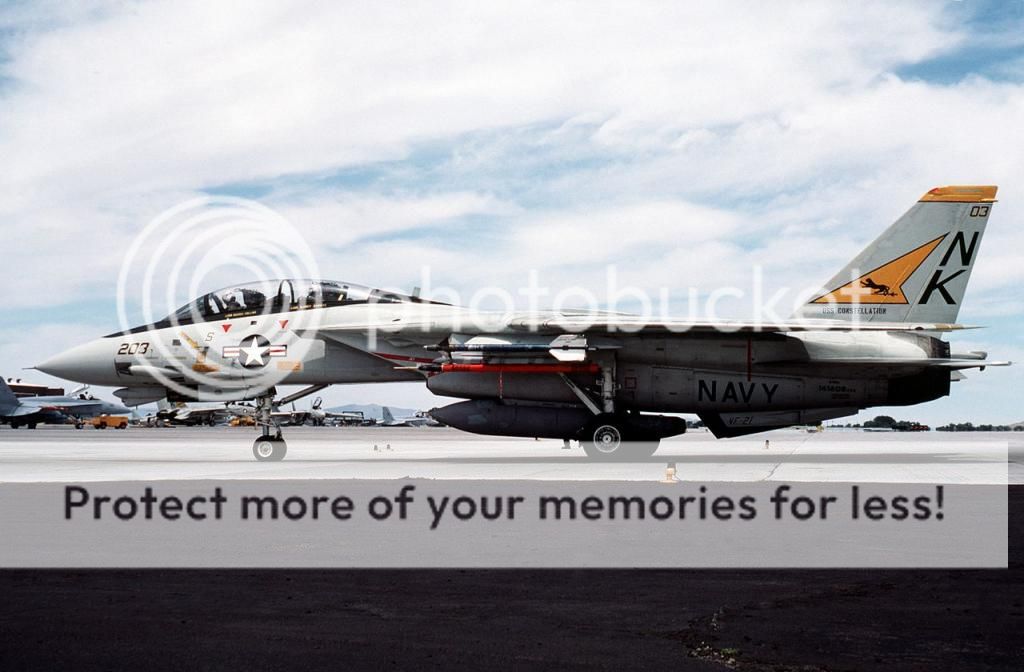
[873, 336]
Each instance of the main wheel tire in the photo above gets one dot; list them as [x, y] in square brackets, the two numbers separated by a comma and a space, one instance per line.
[605, 438]
[31, 425]
[269, 449]
[609, 438]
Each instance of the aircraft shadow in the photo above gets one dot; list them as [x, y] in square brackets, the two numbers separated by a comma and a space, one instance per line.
[822, 458]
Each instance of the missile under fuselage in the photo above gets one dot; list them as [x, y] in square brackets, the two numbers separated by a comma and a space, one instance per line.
[488, 416]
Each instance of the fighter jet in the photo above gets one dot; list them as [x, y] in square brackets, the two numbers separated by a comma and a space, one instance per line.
[181, 413]
[341, 418]
[295, 417]
[31, 411]
[873, 336]
[418, 420]
[318, 417]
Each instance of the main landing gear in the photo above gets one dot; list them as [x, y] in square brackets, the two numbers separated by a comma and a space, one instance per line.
[613, 435]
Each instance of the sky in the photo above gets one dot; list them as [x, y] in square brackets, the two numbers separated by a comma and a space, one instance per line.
[689, 146]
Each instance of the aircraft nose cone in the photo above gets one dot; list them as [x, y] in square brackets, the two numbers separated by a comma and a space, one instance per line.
[91, 363]
[57, 365]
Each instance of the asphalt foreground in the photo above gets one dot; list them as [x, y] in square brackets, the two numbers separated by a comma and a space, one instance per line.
[536, 619]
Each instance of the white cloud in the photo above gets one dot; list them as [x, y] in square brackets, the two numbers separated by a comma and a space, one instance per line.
[184, 94]
[684, 143]
[345, 219]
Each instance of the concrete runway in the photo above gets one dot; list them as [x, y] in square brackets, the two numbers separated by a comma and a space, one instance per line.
[60, 454]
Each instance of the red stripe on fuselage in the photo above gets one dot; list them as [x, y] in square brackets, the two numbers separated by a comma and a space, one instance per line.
[588, 367]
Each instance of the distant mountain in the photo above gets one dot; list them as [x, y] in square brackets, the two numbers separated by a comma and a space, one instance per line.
[372, 410]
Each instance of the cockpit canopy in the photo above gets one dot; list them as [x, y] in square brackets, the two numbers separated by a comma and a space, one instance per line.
[280, 296]
[273, 296]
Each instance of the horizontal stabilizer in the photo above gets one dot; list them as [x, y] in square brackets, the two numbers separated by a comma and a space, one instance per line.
[22, 410]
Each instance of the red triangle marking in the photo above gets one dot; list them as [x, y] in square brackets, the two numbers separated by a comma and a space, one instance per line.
[226, 327]
[284, 323]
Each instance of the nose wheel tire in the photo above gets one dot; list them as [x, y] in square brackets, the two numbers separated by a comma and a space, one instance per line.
[269, 449]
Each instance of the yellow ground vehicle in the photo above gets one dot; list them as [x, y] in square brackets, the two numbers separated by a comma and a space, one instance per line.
[104, 421]
[242, 421]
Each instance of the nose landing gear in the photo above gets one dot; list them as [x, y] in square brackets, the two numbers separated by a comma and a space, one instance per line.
[270, 446]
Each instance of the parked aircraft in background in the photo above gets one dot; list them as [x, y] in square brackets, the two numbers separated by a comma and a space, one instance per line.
[180, 413]
[319, 417]
[183, 414]
[296, 417]
[872, 337]
[32, 411]
[348, 419]
[418, 420]
[23, 389]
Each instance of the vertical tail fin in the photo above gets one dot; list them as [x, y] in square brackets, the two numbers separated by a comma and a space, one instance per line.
[387, 414]
[7, 397]
[917, 270]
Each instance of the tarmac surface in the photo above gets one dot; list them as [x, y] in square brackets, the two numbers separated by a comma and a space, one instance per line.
[57, 454]
[498, 620]
[511, 619]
